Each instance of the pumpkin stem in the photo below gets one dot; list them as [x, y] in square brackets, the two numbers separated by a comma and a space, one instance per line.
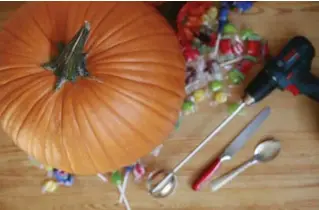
[71, 62]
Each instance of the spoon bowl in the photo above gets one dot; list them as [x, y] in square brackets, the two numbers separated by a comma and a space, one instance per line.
[267, 150]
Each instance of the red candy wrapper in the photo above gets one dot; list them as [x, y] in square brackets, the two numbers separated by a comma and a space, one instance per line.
[245, 66]
[225, 46]
[238, 48]
[190, 53]
[254, 48]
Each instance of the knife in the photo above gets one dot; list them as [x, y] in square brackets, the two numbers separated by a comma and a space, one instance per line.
[229, 152]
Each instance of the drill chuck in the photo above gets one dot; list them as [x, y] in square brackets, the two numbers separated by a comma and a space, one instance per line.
[261, 86]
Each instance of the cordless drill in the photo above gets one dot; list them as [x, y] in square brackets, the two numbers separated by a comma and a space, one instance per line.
[289, 70]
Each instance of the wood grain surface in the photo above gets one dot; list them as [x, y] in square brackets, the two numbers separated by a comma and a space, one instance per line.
[290, 182]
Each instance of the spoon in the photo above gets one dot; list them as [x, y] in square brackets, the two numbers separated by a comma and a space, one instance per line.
[264, 152]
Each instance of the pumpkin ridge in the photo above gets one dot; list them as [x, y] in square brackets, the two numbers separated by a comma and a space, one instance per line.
[49, 13]
[89, 152]
[108, 61]
[97, 45]
[61, 136]
[14, 68]
[135, 51]
[31, 85]
[87, 10]
[45, 156]
[18, 66]
[15, 54]
[10, 33]
[36, 124]
[44, 93]
[140, 101]
[18, 88]
[166, 106]
[129, 125]
[40, 27]
[99, 23]
[140, 71]
[107, 155]
[47, 139]
[113, 111]
[141, 82]
[20, 78]
[120, 44]
[27, 148]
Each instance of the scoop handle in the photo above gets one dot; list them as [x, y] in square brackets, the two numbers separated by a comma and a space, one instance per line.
[221, 181]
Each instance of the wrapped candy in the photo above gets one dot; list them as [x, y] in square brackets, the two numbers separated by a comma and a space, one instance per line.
[188, 107]
[138, 171]
[190, 53]
[235, 76]
[63, 178]
[220, 97]
[50, 186]
[254, 48]
[215, 85]
[198, 95]
[244, 34]
[245, 66]
[230, 29]
[225, 47]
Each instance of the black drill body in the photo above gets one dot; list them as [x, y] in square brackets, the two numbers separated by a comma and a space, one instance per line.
[289, 70]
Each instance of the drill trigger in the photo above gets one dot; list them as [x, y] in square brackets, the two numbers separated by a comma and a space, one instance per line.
[293, 89]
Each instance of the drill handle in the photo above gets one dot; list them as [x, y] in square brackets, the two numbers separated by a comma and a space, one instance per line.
[308, 84]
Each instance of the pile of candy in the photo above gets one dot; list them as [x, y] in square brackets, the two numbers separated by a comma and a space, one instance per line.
[218, 55]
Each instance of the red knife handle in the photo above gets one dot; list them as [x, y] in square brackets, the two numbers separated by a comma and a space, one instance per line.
[207, 174]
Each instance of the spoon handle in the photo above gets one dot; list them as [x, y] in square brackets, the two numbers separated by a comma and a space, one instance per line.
[221, 181]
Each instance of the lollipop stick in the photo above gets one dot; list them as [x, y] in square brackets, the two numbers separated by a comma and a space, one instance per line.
[219, 36]
[126, 203]
[102, 177]
[124, 186]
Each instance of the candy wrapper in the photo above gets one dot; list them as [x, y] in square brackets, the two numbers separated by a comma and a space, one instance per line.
[218, 55]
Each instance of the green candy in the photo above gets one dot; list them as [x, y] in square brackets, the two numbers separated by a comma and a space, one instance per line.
[233, 107]
[230, 29]
[215, 85]
[246, 33]
[116, 178]
[187, 106]
[235, 76]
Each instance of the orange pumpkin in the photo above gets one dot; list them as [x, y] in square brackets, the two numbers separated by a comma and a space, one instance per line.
[89, 87]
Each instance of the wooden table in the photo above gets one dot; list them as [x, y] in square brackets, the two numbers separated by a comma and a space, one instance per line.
[291, 182]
